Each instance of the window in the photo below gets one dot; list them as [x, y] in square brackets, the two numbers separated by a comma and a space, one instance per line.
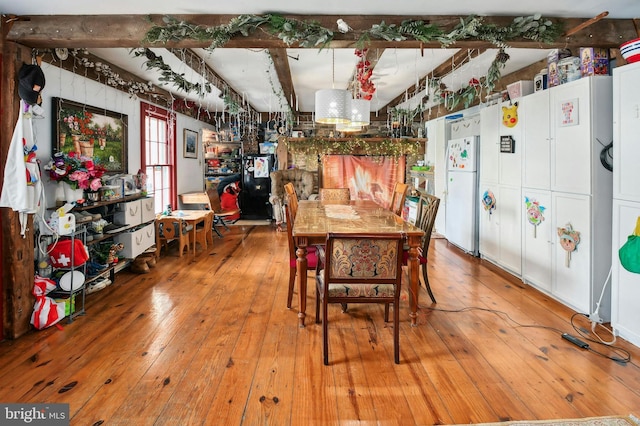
[159, 154]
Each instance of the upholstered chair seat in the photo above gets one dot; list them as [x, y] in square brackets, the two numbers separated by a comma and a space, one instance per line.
[359, 268]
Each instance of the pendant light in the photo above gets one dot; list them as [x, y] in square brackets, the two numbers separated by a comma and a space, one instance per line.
[331, 104]
[348, 127]
[359, 112]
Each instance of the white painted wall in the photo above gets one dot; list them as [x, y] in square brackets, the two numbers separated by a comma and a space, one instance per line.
[75, 87]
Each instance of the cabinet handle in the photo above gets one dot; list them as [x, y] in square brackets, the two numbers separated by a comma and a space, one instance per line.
[138, 242]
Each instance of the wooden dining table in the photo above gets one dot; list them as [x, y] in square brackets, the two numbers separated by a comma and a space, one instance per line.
[315, 219]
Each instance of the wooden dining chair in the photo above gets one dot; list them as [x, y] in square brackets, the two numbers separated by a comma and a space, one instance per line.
[397, 200]
[312, 258]
[203, 233]
[219, 214]
[170, 229]
[208, 229]
[427, 211]
[360, 268]
[334, 194]
[292, 199]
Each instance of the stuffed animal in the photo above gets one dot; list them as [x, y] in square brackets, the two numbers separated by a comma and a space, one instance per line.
[112, 257]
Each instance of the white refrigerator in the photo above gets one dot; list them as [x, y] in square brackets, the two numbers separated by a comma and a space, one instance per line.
[461, 223]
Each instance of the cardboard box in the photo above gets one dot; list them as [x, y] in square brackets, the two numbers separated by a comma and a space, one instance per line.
[594, 61]
[520, 88]
[540, 81]
[553, 78]
[569, 69]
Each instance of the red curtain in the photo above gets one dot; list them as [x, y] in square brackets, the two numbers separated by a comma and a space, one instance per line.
[367, 177]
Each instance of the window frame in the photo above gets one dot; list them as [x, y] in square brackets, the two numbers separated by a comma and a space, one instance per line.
[169, 117]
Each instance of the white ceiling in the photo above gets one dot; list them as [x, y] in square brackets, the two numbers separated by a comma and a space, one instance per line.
[618, 9]
[250, 72]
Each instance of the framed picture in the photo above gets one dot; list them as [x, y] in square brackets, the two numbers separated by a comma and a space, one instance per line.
[569, 113]
[91, 132]
[190, 144]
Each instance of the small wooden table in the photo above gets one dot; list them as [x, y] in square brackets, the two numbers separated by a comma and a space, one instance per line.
[192, 217]
[315, 219]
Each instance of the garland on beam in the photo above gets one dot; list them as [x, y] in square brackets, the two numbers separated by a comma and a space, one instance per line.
[312, 34]
[350, 146]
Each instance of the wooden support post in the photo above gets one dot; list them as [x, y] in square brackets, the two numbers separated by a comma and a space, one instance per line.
[17, 252]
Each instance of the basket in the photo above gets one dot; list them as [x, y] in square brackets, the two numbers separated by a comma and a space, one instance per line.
[630, 50]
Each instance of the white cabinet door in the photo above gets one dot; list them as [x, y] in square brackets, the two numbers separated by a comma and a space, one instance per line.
[510, 224]
[504, 168]
[468, 126]
[489, 231]
[626, 113]
[490, 144]
[625, 285]
[510, 163]
[571, 137]
[572, 269]
[536, 167]
[500, 230]
[537, 239]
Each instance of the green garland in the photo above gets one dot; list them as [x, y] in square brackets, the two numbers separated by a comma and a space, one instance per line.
[385, 147]
[168, 75]
[312, 34]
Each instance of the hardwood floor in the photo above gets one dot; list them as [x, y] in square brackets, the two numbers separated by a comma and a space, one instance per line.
[208, 340]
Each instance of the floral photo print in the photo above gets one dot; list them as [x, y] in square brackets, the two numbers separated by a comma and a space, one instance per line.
[90, 132]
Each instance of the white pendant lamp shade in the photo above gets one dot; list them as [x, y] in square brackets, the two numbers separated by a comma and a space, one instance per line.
[348, 127]
[331, 106]
[359, 112]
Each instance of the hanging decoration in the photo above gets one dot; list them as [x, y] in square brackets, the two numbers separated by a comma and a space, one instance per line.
[366, 88]
[510, 115]
[489, 201]
[111, 78]
[350, 146]
[569, 240]
[534, 213]
[312, 34]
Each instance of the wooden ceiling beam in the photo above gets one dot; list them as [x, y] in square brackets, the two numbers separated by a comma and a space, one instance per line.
[85, 31]
[281, 64]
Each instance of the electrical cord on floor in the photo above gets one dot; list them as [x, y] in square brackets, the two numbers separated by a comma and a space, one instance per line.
[493, 311]
[622, 355]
